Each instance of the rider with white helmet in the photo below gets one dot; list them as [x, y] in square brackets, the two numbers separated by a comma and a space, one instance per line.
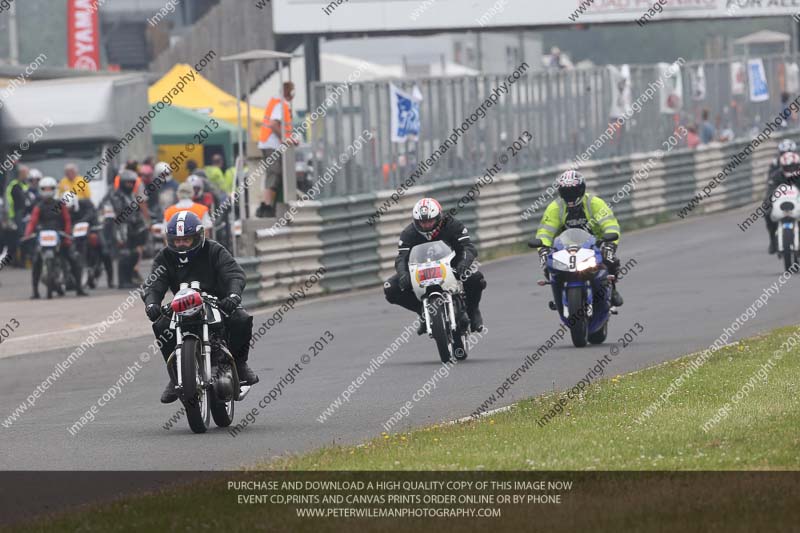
[52, 214]
[429, 223]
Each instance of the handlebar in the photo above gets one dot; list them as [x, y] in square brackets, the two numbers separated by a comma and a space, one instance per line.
[36, 234]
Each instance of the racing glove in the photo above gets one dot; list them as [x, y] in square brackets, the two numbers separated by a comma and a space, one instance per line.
[609, 251]
[544, 251]
[153, 312]
[230, 303]
[458, 269]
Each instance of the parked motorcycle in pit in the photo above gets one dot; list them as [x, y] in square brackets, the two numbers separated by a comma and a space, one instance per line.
[786, 213]
[201, 366]
[580, 283]
[436, 285]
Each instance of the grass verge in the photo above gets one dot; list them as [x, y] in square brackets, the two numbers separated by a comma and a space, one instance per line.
[597, 431]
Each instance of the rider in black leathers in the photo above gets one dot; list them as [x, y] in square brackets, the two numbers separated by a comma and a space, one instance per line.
[430, 224]
[128, 230]
[218, 273]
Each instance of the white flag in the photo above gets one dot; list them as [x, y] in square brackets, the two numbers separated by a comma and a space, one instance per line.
[697, 75]
[671, 94]
[620, 90]
[792, 78]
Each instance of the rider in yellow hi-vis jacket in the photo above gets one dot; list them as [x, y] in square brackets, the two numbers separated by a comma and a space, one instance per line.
[576, 209]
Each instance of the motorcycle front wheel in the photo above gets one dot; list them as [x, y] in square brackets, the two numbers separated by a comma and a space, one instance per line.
[599, 336]
[439, 327]
[788, 252]
[577, 308]
[195, 398]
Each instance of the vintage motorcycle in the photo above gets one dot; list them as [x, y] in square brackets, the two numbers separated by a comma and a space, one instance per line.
[53, 269]
[201, 366]
[441, 292]
[786, 213]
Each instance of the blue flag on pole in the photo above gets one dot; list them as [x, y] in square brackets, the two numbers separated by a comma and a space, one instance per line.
[405, 115]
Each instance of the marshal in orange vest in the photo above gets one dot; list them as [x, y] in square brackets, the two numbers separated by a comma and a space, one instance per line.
[286, 122]
[198, 209]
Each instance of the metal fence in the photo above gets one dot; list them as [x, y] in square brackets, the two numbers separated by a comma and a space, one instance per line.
[565, 111]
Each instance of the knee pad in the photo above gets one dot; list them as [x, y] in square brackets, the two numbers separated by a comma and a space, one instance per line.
[390, 292]
[476, 281]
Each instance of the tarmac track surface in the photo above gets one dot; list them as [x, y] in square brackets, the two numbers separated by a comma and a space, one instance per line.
[691, 280]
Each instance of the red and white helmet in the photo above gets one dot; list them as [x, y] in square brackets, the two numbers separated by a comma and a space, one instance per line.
[427, 216]
[790, 165]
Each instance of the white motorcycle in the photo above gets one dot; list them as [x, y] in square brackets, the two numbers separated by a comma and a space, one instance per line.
[786, 212]
[436, 285]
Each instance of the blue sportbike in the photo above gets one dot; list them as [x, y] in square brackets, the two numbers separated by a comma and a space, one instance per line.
[581, 284]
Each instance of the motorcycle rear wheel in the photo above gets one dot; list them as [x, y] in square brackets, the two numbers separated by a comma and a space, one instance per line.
[195, 399]
[221, 411]
[577, 308]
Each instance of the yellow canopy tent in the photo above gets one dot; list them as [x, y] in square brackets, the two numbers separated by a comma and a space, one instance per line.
[202, 96]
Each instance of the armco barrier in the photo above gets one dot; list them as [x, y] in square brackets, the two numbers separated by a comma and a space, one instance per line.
[334, 233]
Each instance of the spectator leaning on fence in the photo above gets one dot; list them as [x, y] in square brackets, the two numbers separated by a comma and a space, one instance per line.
[276, 127]
[70, 181]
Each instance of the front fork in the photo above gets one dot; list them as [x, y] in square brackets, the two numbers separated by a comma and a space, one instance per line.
[448, 298]
[795, 231]
[206, 356]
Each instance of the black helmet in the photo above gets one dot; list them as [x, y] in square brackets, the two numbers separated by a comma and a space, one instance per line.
[571, 187]
[183, 226]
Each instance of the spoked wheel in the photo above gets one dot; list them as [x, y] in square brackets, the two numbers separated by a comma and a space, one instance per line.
[221, 410]
[195, 398]
[460, 347]
[440, 328]
[577, 316]
[788, 244]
